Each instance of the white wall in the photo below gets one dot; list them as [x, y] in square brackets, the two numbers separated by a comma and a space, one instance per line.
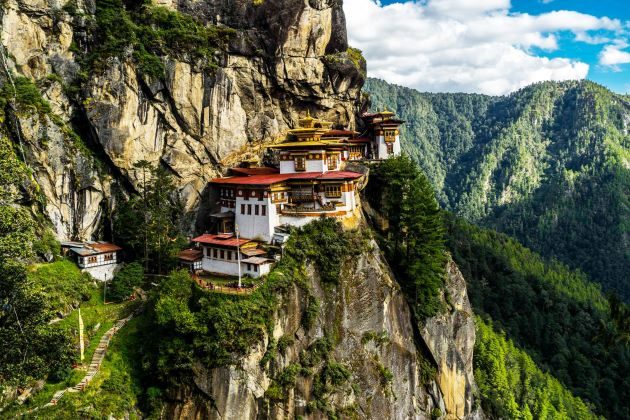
[251, 226]
[103, 272]
[263, 270]
[382, 147]
[316, 165]
[100, 260]
[397, 146]
[230, 268]
[287, 167]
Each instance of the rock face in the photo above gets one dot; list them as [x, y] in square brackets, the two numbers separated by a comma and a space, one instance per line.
[372, 335]
[451, 340]
[275, 68]
[287, 56]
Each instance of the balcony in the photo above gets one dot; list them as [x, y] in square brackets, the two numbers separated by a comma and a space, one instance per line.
[296, 197]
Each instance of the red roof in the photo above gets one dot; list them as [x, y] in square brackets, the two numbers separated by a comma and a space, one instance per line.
[221, 240]
[190, 255]
[254, 171]
[275, 178]
[101, 247]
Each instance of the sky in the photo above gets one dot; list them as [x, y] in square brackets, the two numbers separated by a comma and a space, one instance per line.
[492, 46]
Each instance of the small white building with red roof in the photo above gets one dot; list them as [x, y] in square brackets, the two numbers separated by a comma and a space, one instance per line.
[223, 253]
[99, 259]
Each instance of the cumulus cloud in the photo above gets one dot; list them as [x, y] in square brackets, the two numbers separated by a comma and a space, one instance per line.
[471, 46]
[613, 55]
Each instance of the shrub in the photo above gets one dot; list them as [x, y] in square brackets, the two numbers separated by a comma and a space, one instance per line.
[126, 280]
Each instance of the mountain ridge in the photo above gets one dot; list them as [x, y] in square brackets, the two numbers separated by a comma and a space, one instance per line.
[548, 164]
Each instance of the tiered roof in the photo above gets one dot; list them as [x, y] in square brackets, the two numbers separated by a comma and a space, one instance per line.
[265, 180]
[227, 240]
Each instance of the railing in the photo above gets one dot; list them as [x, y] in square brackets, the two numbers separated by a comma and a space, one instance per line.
[305, 209]
[209, 286]
[299, 197]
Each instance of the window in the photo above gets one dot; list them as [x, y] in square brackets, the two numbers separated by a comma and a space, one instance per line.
[249, 209]
[333, 191]
[229, 255]
[390, 148]
[249, 267]
[242, 208]
[300, 163]
[332, 161]
[215, 253]
[263, 209]
[255, 268]
[256, 210]
[109, 257]
[222, 254]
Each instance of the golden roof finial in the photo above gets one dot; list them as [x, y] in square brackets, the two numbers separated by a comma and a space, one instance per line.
[308, 113]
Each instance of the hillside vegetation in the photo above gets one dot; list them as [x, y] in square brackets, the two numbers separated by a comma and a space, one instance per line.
[554, 314]
[548, 164]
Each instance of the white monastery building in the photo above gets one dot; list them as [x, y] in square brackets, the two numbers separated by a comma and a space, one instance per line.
[309, 183]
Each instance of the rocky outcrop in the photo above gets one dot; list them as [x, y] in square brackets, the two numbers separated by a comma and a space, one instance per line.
[190, 120]
[450, 337]
[370, 326]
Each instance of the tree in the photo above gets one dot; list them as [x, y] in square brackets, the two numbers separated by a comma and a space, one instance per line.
[148, 223]
[126, 280]
[29, 347]
[414, 240]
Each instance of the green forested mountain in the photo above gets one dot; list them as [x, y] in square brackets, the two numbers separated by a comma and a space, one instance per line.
[555, 315]
[549, 164]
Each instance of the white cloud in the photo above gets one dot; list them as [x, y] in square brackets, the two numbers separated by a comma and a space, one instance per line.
[613, 55]
[469, 46]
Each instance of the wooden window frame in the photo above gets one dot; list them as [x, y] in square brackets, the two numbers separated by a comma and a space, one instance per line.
[332, 191]
[300, 163]
[332, 161]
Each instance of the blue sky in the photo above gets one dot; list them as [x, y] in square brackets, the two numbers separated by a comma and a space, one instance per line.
[492, 46]
[619, 81]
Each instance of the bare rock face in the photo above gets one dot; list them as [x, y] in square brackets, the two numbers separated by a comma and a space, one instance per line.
[274, 69]
[372, 335]
[451, 340]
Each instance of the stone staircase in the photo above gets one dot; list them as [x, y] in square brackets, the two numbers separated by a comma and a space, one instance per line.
[95, 364]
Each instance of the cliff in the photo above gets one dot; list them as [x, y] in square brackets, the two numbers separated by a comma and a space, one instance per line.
[368, 329]
[366, 356]
[282, 58]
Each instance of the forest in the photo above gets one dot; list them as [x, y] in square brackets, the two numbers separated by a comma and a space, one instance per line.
[547, 164]
[551, 312]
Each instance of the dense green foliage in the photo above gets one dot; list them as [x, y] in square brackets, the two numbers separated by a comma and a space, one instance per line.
[554, 314]
[414, 238]
[148, 224]
[26, 95]
[189, 324]
[147, 33]
[547, 164]
[61, 283]
[511, 386]
[29, 347]
[125, 281]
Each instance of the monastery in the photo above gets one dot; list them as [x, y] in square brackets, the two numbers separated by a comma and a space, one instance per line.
[255, 203]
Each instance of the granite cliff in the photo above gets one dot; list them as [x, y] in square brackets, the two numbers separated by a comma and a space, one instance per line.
[390, 360]
[282, 58]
